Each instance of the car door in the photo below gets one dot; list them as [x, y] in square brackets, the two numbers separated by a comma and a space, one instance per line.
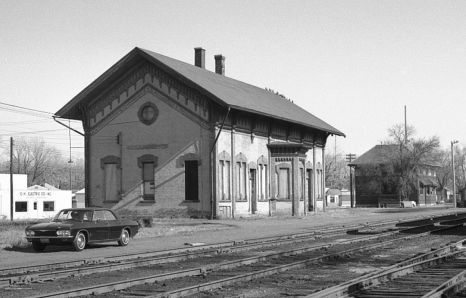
[99, 226]
[114, 226]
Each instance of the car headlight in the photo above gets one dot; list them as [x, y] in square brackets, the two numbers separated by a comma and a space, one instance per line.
[29, 233]
[64, 233]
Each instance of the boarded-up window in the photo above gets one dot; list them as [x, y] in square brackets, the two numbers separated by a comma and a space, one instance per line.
[191, 180]
[148, 180]
[111, 182]
[284, 183]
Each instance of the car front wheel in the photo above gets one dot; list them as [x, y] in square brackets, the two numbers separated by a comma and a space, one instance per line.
[79, 242]
[37, 246]
[124, 238]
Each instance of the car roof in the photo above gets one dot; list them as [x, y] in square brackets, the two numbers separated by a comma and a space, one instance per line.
[86, 209]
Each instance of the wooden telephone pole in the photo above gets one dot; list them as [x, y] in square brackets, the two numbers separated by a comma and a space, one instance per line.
[349, 158]
[11, 178]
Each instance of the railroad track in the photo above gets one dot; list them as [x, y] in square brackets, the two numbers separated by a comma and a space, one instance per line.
[230, 272]
[55, 271]
[27, 274]
[434, 276]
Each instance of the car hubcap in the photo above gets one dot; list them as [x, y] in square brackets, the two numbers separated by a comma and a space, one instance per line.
[124, 237]
[81, 240]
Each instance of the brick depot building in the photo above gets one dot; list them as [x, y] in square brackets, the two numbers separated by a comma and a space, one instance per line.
[165, 136]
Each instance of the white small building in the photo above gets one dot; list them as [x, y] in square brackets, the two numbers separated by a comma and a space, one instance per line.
[79, 199]
[30, 203]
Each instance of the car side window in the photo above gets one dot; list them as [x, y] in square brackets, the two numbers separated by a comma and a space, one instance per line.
[109, 215]
[87, 216]
[99, 215]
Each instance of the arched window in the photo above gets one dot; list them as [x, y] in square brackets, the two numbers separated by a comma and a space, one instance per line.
[224, 190]
[241, 177]
[263, 179]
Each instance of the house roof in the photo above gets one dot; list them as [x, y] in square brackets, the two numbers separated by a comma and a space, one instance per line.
[333, 192]
[223, 90]
[379, 154]
[429, 181]
[382, 154]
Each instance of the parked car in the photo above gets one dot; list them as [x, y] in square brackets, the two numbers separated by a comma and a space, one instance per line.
[80, 226]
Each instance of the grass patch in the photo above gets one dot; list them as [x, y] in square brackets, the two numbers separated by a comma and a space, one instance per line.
[12, 234]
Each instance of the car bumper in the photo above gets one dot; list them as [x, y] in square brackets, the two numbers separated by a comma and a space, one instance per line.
[51, 240]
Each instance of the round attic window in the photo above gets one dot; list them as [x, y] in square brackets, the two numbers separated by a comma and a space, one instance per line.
[148, 113]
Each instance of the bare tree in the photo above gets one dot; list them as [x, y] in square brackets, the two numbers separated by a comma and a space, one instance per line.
[444, 173]
[34, 158]
[336, 170]
[460, 171]
[396, 133]
[43, 164]
[410, 157]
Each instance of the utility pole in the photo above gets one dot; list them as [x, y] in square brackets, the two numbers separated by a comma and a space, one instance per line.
[349, 158]
[406, 129]
[11, 178]
[453, 169]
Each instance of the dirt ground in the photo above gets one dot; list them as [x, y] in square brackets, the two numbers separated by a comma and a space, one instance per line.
[178, 233]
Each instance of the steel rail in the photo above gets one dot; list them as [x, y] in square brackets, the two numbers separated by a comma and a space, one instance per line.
[320, 230]
[36, 273]
[346, 287]
[115, 286]
[42, 272]
[227, 244]
[267, 272]
[100, 268]
[147, 261]
[449, 288]
[125, 257]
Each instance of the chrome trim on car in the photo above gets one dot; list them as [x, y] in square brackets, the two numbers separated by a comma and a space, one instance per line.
[48, 237]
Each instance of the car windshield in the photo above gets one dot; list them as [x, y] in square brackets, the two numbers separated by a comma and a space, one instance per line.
[73, 215]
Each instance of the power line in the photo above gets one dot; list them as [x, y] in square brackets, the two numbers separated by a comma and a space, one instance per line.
[29, 111]
[23, 108]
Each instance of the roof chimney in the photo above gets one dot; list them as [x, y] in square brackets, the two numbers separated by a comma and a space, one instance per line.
[199, 57]
[220, 64]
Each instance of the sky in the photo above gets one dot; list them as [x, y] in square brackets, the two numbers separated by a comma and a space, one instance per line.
[354, 64]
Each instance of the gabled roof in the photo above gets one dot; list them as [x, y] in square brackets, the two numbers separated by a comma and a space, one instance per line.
[223, 90]
[383, 154]
[379, 154]
[333, 192]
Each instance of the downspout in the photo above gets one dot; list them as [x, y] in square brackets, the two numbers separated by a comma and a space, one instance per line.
[212, 194]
